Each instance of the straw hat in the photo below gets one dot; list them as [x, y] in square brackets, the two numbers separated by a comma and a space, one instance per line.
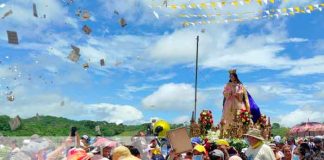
[123, 153]
[255, 133]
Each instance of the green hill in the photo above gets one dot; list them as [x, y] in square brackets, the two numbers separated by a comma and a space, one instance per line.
[58, 126]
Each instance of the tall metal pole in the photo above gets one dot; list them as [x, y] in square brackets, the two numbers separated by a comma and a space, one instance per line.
[196, 77]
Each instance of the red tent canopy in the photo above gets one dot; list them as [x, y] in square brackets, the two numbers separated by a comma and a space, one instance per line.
[307, 129]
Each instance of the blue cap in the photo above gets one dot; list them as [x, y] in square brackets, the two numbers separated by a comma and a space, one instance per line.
[196, 140]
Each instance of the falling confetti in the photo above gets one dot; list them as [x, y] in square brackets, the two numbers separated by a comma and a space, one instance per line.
[7, 14]
[86, 66]
[122, 22]
[12, 37]
[10, 98]
[86, 15]
[74, 56]
[35, 10]
[86, 29]
[102, 62]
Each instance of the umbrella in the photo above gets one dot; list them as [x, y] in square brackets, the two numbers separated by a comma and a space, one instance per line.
[104, 142]
[307, 129]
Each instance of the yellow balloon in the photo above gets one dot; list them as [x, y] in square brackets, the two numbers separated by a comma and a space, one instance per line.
[164, 125]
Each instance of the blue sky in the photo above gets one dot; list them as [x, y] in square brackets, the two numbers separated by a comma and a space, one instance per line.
[149, 69]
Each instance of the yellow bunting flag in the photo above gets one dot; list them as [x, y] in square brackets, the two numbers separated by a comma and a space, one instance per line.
[247, 1]
[183, 6]
[235, 3]
[193, 5]
[272, 1]
[322, 4]
[297, 9]
[284, 10]
[203, 5]
[173, 6]
[311, 8]
[213, 4]
[260, 2]
[223, 3]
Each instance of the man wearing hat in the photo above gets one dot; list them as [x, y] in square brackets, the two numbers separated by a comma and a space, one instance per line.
[318, 149]
[257, 149]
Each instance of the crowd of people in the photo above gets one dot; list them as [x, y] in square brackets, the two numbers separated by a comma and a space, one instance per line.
[153, 148]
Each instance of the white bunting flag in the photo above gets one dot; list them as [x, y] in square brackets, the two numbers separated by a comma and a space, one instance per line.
[156, 15]
[219, 4]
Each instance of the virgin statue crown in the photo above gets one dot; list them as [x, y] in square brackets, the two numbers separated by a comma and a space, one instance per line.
[232, 71]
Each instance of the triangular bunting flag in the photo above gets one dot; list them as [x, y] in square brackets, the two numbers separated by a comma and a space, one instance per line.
[193, 5]
[297, 9]
[203, 6]
[213, 4]
[311, 8]
[265, 2]
[260, 2]
[183, 6]
[235, 3]
[241, 2]
[173, 6]
[276, 15]
[291, 9]
[284, 10]
[272, 1]
[223, 3]
[247, 1]
[219, 4]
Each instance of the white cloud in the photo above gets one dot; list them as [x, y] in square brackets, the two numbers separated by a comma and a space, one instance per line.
[301, 67]
[172, 96]
[302, 115]
[115, 113]
[161, 77]
[221, 48]
[181, 119]
[294, 40]
[319, 45]
[28, 103]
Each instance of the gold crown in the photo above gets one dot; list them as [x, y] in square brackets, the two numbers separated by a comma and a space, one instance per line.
[232, 71]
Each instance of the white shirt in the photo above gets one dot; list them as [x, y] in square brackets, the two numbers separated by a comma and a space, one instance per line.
[263, 152]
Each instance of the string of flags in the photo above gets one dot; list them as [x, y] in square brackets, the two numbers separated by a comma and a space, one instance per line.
[291, 10]
[216, 4]
[273, 13]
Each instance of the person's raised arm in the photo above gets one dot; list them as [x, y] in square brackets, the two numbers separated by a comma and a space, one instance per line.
[58, 151]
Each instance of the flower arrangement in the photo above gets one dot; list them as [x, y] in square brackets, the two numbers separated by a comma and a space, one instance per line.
[212, 136]
[206, 119]
[244, 116]
[263, 121]
[238, 144]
